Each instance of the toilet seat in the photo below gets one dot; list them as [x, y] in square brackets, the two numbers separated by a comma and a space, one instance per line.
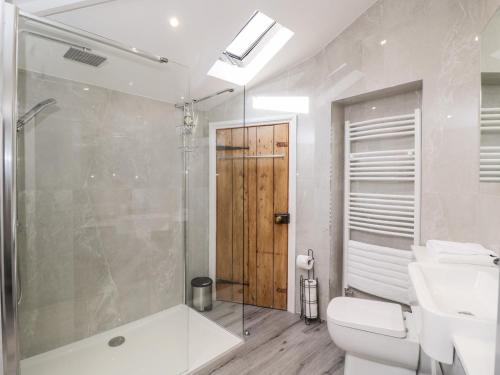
[384, 318]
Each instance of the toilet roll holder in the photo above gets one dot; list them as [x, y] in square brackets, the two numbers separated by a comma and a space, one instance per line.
[309, 294]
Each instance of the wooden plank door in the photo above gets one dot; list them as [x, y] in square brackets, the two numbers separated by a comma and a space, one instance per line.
[252, 250]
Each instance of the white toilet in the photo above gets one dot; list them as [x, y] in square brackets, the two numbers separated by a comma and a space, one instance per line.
[378, 337]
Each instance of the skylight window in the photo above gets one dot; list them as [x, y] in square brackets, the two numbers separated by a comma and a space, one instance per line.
[250, 35]
[253, 47]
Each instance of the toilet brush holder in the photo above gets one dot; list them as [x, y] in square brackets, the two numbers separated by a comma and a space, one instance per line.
[309, 295]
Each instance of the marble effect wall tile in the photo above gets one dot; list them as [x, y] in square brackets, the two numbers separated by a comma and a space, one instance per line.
[100, 211]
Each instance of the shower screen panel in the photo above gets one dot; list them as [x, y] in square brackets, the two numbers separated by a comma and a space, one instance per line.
[98, 183]
[216, 209]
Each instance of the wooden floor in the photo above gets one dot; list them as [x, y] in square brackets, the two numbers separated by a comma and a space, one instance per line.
[279, 343]
[228, 315]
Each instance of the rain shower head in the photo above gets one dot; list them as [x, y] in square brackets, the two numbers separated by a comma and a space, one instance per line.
[34, 111]
[84, 56]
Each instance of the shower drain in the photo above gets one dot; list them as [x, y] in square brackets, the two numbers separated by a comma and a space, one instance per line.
[116, 341]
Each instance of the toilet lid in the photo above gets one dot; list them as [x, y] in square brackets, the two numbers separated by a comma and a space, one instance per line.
[372, 316]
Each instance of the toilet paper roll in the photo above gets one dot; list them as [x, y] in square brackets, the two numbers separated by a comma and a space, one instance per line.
[305, 262]
[311, 311]
[310, 290]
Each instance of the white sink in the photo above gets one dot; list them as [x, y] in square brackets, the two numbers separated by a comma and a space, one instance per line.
[453, 300]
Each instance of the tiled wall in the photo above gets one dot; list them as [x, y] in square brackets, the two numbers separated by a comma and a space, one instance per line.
[454, 369]
[100, 220]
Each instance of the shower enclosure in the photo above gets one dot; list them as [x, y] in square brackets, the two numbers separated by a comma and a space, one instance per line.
[104, 205]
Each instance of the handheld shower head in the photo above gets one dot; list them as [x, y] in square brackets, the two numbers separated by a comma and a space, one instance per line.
[28, 116]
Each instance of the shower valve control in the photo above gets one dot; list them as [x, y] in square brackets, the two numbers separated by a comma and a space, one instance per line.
[282, 218]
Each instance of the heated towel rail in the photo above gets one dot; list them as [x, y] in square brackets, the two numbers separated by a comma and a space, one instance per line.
[374, 208]
[490, 155]
[389, 214]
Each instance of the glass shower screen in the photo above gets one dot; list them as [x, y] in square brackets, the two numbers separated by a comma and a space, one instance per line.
[100, 245]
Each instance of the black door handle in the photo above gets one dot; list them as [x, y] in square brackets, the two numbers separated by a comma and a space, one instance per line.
[282, 218]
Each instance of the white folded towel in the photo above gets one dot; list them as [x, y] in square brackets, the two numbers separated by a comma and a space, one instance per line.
[457, 248]
[480, 260]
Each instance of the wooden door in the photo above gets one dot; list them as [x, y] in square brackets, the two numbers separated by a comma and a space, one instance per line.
[252, 187]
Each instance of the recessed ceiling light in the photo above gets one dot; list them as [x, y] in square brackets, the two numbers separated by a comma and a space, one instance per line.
[86, 89]
[383, 42]
[476, 38]
[374, 108]
[174, 21]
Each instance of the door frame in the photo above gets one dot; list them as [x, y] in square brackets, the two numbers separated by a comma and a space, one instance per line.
[291, 119]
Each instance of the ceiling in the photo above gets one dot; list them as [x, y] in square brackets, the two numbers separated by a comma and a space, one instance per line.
[206, 28]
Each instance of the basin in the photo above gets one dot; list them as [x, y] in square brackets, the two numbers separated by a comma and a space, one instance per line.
[453, 300]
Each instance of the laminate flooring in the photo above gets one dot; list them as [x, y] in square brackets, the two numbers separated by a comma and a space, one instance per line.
[279, 344]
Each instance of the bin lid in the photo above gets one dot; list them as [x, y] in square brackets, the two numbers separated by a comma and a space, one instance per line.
[201, 281]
